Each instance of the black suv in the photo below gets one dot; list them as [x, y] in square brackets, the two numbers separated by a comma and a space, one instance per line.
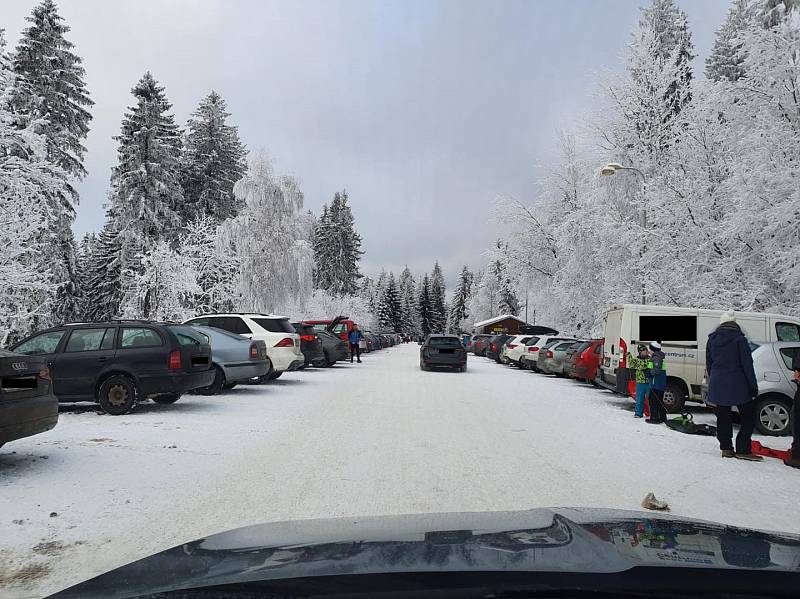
[119, 362]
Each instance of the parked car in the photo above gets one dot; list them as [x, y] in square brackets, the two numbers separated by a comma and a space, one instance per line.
[531, 356]
[118, 363]
[234, 358]
[583, 360]
[479, 344]
[773, 365]
[683, 332]
[495, 346]
[310, 344]
[442, 351]
[333, 348]
[283, 343]
[551, 357]
[27, 405]
[339, 326]
[513, 349]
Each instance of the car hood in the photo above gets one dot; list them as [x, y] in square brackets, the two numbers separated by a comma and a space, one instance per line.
[540, 540]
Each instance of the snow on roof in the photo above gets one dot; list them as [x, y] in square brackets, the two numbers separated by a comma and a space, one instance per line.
[495, 319]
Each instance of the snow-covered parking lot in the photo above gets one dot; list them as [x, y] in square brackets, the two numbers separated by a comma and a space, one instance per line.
[380, 437]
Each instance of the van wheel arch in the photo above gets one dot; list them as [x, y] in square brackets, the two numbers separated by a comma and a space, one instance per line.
[678, 389]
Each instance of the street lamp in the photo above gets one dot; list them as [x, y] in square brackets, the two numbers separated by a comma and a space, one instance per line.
[611, 169]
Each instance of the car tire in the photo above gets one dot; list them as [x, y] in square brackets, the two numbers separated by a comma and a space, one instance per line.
[216, 386]
[422, 366]
[167, 398]
[117, 395]
[229, 386]
[674, 397]
[773, 416]
[328, 361]
[274, 375]
[463, 368]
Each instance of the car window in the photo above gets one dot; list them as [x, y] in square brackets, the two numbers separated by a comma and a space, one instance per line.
[93, 339]
[580, 347]
[275, 325]
[139, 337]
[46, 343]
[599, 348]
[340, 328]
[532, 341]
[787, 331]
[189, 336]
[232, 324]
[444, 342]
[564, 346]
[788, 354]
[202, 322]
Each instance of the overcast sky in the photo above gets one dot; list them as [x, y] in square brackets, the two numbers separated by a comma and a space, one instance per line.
[424, 111]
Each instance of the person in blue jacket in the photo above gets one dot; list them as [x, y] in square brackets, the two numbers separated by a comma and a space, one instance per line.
[732, 382]
[658, 384]
[355, 338]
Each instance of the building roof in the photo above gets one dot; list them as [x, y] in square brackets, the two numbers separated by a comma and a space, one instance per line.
[495, 319]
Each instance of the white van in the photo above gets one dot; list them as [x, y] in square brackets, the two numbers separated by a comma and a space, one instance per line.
[683, 333]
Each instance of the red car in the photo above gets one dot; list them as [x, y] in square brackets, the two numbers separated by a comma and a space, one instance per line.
[339, 326]
[583, 361]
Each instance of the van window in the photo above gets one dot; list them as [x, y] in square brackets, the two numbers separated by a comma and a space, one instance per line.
[787, 331]
[668, 328]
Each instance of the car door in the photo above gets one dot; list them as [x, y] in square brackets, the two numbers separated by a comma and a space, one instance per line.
[85, 354]
[142, 350]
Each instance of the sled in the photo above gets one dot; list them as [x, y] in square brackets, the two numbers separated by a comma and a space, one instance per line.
[757, 448]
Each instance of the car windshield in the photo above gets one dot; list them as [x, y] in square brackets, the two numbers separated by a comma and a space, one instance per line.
[444, 342]
[441, 290]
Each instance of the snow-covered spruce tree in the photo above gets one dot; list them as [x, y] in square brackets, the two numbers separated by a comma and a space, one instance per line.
[28, 183]
[269, 238]
[103, 294]
[425, 307]
[727, 55]
[438, 319]
[83, 256]
[145, 185]
[215, 265]
[322, 244]
[337, 248]
[50, 93]
[214, 160]
[390, 312]
[458, 306]
[50, 88]
[408, 302]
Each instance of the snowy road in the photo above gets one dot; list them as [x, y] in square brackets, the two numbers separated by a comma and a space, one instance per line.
[380, 437]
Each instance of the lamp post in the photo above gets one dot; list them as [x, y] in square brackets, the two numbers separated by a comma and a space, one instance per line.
[611, 169]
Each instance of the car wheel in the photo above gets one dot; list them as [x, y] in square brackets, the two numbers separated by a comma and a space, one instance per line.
[229, 386]
[117, 395]
[216, 385]
[674, 397]
[167, 398]
[260, 380]
[422, 365]
[274, 375]
[328, 362]
[773, 416]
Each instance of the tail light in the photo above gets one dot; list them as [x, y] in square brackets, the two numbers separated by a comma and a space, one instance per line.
[253, 351]
[285, 342]
[494, 347]
[533, 349]
[308, 337]
[175, 360]
[549, 354]
[44, 373]
[623, 350]
[512, 345]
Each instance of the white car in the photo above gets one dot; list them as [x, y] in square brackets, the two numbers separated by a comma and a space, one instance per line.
[530, 356]
[514, 348]
[283, 342]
